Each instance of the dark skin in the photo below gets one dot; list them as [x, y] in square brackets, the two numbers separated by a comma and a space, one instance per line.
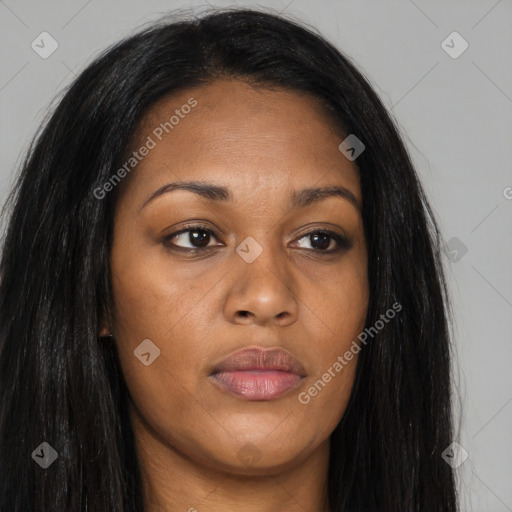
[199, 307]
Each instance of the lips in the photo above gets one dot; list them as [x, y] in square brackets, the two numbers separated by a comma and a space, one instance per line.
[258, 374]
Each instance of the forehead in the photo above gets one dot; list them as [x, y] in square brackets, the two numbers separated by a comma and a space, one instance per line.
[258, 141]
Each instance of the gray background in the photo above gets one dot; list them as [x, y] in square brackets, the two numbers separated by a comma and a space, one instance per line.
[455, 115]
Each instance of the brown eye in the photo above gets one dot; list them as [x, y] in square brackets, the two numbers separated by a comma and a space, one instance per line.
[197, 236]
[326, 242]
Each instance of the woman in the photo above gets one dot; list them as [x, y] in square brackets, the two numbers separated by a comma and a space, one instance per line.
[221, 288]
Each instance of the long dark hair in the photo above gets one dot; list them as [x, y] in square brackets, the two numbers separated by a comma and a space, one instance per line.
[59, 384]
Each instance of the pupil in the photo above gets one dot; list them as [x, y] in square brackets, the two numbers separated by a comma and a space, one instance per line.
[326, 243]
[200, 239]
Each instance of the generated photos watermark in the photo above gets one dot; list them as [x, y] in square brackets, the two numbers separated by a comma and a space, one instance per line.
[343, 360]
[158, 133]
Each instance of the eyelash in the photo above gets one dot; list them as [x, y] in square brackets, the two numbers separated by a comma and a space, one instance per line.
[343, 242]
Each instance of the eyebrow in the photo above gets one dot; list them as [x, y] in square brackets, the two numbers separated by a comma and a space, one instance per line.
[299, 198]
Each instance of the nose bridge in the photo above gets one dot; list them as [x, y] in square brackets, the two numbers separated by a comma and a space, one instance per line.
[261, 253]
[264, 287]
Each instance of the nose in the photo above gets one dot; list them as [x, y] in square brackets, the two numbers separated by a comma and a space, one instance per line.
[262, 291]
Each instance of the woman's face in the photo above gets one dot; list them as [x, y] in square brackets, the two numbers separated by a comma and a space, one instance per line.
[265, 279]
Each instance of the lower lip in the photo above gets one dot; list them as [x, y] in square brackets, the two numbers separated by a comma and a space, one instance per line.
[257, 385]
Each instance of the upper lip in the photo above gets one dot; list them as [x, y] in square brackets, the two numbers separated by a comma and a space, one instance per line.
[260, 359]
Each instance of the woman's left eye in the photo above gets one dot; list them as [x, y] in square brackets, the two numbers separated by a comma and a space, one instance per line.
[328, 241]
[199, 237]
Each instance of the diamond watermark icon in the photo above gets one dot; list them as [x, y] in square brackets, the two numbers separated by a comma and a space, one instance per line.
[45, 455]
[249, 454]
[454, 45]
[147, 352]
[455, 455]
[455, 249]
[44, 45]
[249, 249]
[351, 147]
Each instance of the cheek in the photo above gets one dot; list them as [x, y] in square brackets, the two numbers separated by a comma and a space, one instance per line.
[340, 303]
[339, 312]
[143, 313]
[150, 299]
[326, 392]
[154, 302]
[141, 319]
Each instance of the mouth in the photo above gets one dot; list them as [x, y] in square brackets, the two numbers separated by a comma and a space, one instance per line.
[257, 374]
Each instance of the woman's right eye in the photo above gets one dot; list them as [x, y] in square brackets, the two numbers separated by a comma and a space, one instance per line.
[197, 236]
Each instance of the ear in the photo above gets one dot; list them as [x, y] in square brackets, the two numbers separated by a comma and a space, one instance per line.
[105, 329]
[105, 332]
